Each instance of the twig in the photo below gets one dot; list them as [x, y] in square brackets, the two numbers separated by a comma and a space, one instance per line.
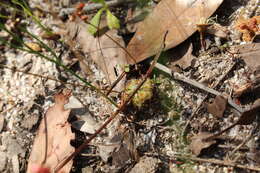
[116, 82]
[92, 7]
[224, 163]
[252, 134]
[242, 144]
[121, 107]
[204, 98]
[180, 77]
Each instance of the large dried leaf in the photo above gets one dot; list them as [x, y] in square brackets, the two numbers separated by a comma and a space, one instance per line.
[179, 17]
[54, 131]
[103, 50]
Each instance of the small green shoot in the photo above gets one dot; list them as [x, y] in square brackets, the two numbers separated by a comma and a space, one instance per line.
[94, 23]
[112, 20]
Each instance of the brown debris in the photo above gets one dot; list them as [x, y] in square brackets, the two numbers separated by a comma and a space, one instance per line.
[218, 30]
[249, 28]
[200, 142]
[182, 55]
[218, 107]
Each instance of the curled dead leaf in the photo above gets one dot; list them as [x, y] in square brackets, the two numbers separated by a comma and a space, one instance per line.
[218, 107]
[52, 142]
[200, 142]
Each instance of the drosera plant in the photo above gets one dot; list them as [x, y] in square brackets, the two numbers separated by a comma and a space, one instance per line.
[112, 21]
[171, 105]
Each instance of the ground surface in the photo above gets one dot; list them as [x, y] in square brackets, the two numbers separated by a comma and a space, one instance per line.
[154, 132]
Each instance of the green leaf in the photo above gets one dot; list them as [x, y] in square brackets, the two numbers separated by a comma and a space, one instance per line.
[112, 21]
[93, 26]
[99, 1]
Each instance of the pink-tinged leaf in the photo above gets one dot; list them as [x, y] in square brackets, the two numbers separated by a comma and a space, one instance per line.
[52, 142]
[179, 17]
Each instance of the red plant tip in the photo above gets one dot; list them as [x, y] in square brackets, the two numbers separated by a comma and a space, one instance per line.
[80, 6]
[40, 169]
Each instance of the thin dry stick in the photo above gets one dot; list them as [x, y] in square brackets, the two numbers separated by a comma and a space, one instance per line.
[121, 107]
[252, 134]
[200, 104]
[116, 82]
[224, 163]
[241, 145]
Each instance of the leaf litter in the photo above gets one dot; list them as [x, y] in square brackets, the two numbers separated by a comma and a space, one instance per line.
[101, 49]
[191, 98]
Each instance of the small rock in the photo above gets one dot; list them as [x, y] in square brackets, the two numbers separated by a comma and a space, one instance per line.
[13, 147]
[30, 121]
[73, 103]
[87, 170]
[146, 164]
[2, 121]
[3, 160]
[15, 164]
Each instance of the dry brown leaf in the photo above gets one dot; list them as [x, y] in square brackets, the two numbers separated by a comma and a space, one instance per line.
[199, 142]
[218, 30]
[112, 58]
[182, 55]
[179, 17]
[59, 135]
[218, 107]
[250, 54]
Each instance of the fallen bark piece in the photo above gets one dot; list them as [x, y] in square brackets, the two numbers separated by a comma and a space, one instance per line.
[218, 107]
[52, 142]
[179, 17]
